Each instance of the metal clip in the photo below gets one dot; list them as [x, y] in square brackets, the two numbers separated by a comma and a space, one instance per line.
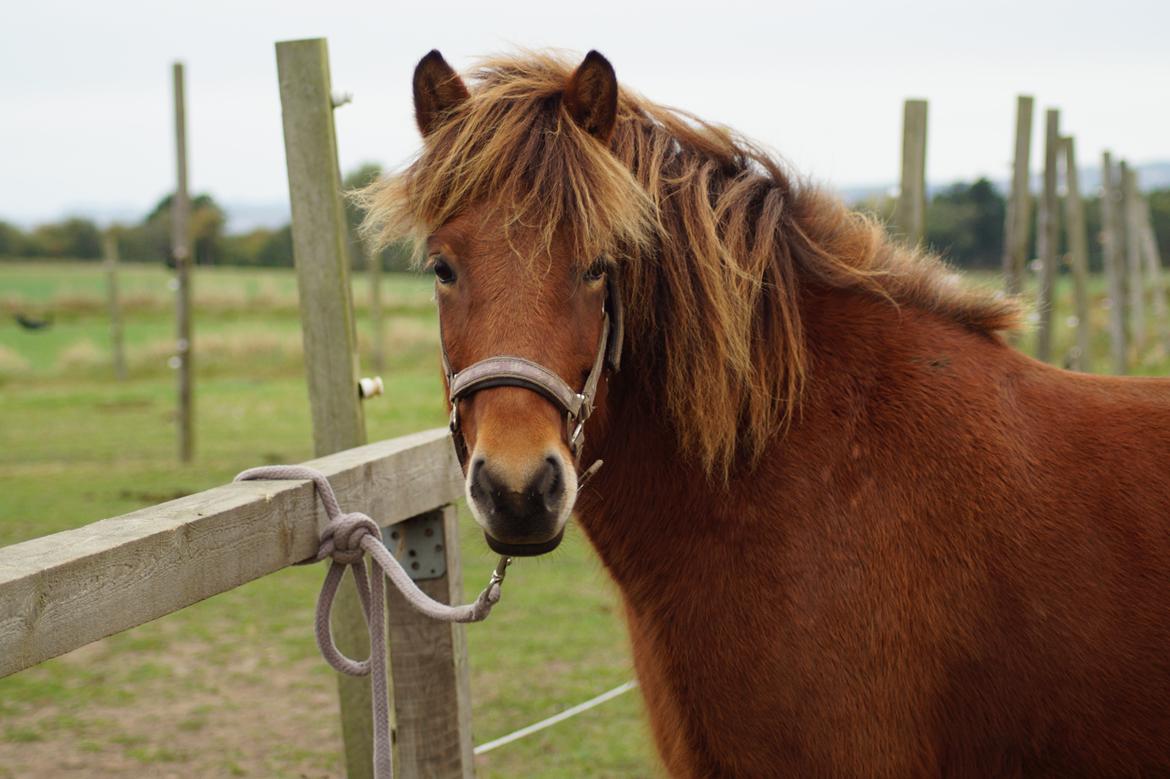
[501, 571]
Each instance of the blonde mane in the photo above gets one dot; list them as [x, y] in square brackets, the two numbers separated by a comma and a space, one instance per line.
[714, 241]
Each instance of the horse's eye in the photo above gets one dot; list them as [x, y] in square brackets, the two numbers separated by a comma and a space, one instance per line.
[443, 271]
[595, 271]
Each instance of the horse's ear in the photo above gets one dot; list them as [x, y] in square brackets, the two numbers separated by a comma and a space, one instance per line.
[438, 91]
[592, 96]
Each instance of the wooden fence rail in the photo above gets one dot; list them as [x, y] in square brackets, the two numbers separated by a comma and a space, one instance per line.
[65, 590]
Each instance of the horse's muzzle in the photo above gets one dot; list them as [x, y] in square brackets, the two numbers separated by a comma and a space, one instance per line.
[521, 517]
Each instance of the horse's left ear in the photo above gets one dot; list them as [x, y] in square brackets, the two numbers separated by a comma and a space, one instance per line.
[591, 96]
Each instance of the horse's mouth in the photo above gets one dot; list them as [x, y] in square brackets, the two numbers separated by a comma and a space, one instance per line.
[524, 550]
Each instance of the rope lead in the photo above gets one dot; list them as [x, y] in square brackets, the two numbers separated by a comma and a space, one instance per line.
[346, 539]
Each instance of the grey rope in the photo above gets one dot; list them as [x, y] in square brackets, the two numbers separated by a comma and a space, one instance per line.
[346, 540]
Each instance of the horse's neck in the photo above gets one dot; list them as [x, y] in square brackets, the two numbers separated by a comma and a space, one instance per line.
[651, 509]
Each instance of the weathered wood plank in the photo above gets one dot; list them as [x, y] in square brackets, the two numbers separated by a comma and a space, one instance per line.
[1017, 229]
[1157, 278]
[1078, 247]
[1114, 264]
[432, 686]
[1049, 236]
[1136, 286]
[65, 590]
[181, 251]
[910, 216]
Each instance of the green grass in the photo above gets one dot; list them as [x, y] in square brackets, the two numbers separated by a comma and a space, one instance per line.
[234, 685]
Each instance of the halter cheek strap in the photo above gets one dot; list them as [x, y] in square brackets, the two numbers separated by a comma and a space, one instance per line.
[512, 371]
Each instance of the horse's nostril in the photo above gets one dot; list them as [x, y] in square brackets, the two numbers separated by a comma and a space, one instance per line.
[548, 482]
[480, 480]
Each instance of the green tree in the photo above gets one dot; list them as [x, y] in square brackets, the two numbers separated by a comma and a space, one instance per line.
[13, 242]
[75, 238]
[206, 224]
[964, 223]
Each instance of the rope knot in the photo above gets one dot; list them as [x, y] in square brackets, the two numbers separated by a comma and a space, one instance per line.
[346, 534]
[342, 540]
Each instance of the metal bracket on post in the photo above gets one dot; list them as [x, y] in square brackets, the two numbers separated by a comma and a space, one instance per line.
[420, 545]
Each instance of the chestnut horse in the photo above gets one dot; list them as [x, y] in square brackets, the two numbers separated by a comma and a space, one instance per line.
[855, 532]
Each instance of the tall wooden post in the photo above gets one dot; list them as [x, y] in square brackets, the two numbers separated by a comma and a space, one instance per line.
[1049, 230]
[428, 659]
[1114, 264]
[910, 216]
[1136, 288]
[1157, 278]
[374, 271]
[110, 261]
[319, 235]
[1017, 220]
[1078, 248]
[181, 252]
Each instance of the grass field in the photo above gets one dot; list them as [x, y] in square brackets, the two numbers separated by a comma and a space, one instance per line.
[233, 686]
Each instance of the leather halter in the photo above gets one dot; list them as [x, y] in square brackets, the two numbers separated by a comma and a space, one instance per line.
[507, 370]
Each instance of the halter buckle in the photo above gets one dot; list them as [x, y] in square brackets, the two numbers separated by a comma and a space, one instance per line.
[575, 438]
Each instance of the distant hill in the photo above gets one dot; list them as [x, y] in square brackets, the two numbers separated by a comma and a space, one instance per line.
[1151, 175]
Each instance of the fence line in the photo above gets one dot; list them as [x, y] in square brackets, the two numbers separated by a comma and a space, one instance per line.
[65, 590]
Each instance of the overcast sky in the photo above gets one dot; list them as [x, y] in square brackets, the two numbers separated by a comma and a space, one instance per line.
[85, 112]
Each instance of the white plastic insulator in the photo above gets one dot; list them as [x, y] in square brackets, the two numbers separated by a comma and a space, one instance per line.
[370, 387]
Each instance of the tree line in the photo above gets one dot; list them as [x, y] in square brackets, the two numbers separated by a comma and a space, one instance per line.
[149, 240]
[964, 223]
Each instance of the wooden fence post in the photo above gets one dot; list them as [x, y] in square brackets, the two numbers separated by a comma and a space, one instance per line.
[1017, 222]
[110, 251]
[181, 252]
[1078, 248]
[1157, 279]
[1131, 219]
[1114, 268]
[431, 704]
[374, 272]
[910, 216]
[320, 252]
[432, 684]
[1049, 236]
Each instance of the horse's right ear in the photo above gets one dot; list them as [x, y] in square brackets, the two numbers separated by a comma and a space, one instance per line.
[438, 91]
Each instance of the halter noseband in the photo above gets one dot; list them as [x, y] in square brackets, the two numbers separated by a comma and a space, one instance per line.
[506, 370]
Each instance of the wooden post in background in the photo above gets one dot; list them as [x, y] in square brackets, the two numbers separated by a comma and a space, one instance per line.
[1049, 236]
[910, 216]
[110, 261]
[1017, 222]
[181, 252]
[374, 272]
[1135, 286]
[1157, 278]
[320, 252]
[1114, 264]
[1078, 248]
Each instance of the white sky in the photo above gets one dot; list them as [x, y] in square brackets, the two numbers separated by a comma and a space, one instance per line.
[85, 120]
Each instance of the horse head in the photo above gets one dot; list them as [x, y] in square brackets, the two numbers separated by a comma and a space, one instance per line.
[528, 329]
